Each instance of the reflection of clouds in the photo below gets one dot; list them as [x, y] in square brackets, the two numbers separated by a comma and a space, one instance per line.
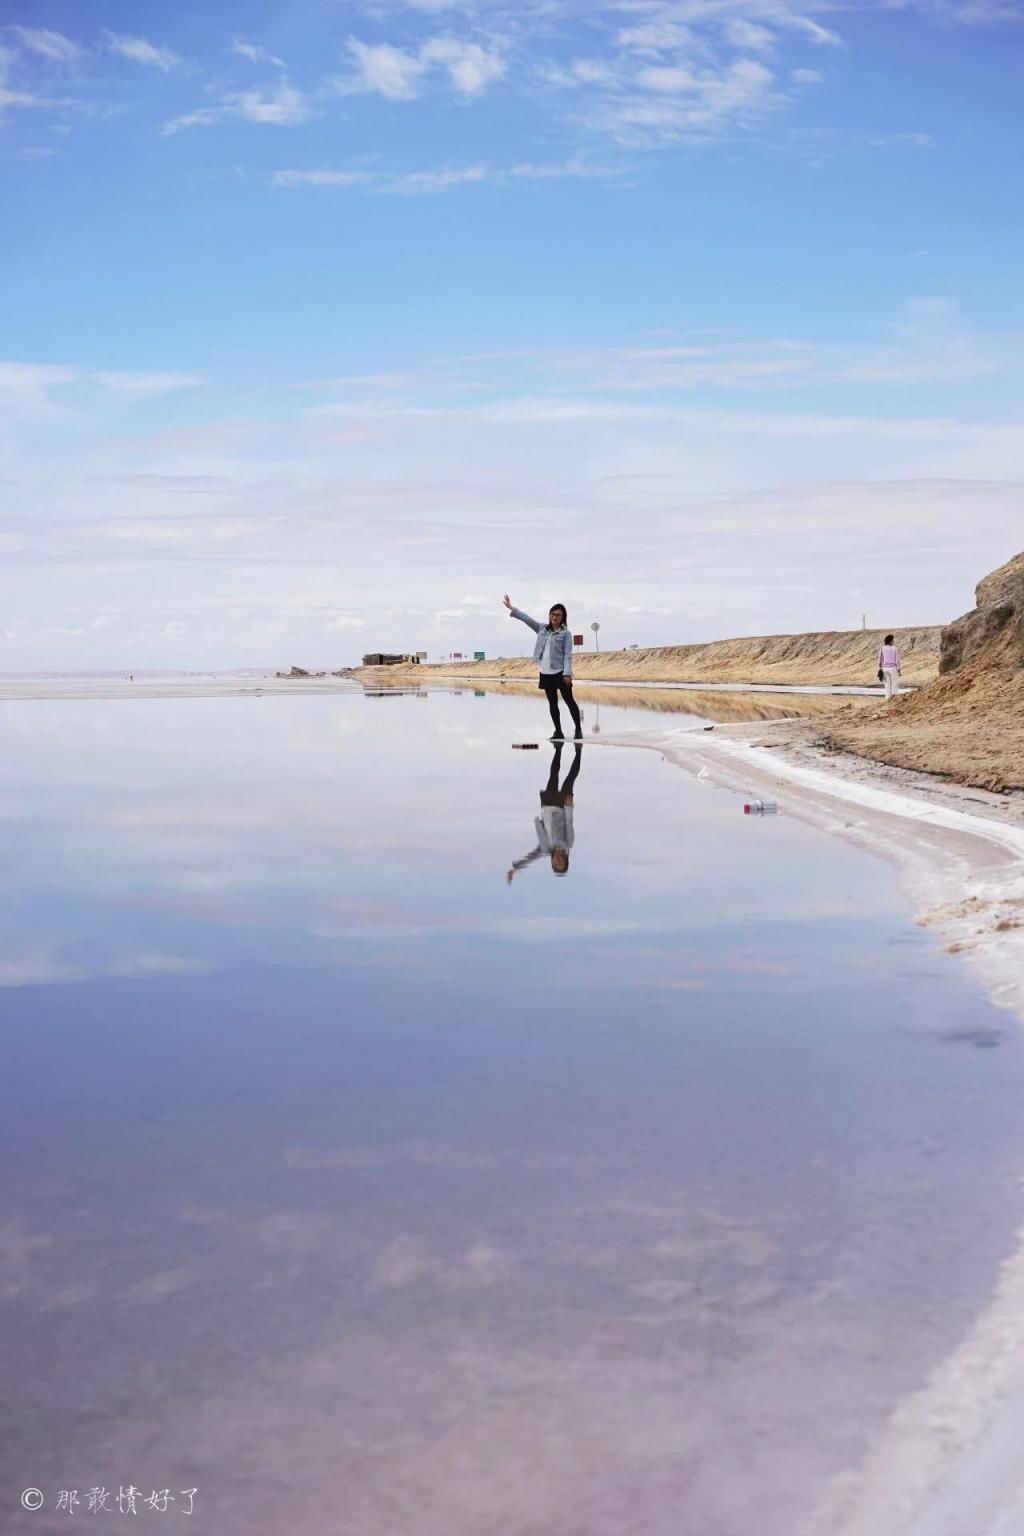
[41, 964]
[16, 1249]
[201, 818]
[440, 1155]
[546, 929]
[158, 1287]
[647, 1360]
[679, 968]
[38, 965]
[293, 1232]
[552, 928]
[408, 1261]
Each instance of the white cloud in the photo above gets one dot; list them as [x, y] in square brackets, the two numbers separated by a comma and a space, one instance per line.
[666, 77]
[471, 67]
[591, 72]
[929, 341]
[442, 179]
[282, 106]
[913, 140]
[807, 77]
[322, 178]
[255, 54]
[653, 37]
[384, 69]
[749, 35]
[439, 180]
[12, 98]
[141, 51]
[48, 45]
[812, 29]
[237, 523]
[556, 170]
[395, 73]
[132, 383]
[968, 12]
[665, 103]
[25, 387]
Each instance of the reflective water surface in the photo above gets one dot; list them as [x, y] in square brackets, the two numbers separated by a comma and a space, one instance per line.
[369, 1191]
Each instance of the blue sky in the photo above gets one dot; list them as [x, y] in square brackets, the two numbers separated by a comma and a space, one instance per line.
[327, 323]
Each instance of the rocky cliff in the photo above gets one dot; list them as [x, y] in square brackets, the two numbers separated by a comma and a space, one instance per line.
[998, 614]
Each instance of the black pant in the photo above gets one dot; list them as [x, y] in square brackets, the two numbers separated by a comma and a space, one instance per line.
[551, 794]
[554, 684]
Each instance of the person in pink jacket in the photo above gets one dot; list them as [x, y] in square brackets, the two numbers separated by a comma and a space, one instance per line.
[890, 665]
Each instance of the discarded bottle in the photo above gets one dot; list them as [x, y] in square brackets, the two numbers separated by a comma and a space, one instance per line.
[760, 808]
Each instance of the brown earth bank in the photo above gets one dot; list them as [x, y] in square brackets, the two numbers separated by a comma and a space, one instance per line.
[967, 725]
[836, 656]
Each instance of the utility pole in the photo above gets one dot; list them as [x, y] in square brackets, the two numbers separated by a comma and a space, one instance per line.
[863, 621]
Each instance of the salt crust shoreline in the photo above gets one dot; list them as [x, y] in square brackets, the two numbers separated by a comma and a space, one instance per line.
[948, 1461]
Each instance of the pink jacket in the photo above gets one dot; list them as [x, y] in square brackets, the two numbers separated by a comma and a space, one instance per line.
[889, 656]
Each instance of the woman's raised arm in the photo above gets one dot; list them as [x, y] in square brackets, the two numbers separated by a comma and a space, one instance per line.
[517, 613]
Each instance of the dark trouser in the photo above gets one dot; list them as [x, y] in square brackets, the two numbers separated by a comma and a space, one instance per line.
[551, 794]
[553, 685]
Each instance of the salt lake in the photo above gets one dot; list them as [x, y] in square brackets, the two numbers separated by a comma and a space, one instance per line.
[364, 1190]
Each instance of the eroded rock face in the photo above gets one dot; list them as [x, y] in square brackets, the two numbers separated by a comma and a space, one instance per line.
[999, 614]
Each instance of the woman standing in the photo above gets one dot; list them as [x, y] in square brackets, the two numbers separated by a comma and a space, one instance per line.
[553, 653]
[890, 665]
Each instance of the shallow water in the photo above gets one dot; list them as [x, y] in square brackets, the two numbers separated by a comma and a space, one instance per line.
[366, 1192]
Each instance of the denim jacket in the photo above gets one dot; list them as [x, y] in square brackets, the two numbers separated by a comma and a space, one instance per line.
[553, 650]
[554, 831]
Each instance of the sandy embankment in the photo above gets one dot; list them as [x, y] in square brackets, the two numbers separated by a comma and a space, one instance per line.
[967, 725]
[838, 656]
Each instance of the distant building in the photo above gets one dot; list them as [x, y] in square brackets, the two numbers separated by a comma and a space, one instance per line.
[384, 659]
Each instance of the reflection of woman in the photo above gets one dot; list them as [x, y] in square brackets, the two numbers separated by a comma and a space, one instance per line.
[553, 653]
[554, 824]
